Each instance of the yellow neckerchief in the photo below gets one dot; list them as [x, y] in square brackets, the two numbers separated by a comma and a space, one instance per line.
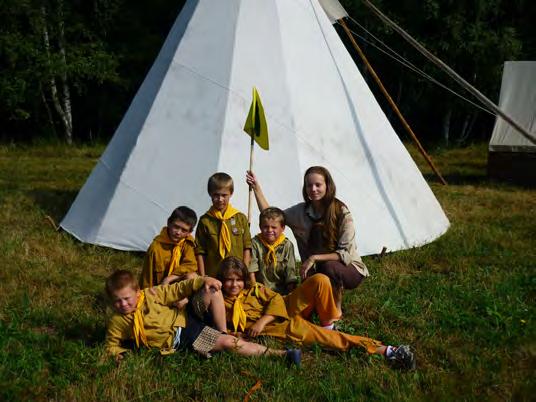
[239, 314]
[163, 238]
[270, 258]
[224, 243]
[139, 330]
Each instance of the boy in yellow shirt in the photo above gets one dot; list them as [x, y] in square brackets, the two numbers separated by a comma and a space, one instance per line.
[148, 317]
[222, 231]
[171, 255]
[257, 310]
[272, 255]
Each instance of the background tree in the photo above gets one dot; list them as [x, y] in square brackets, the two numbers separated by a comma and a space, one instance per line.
[51, 51]
[71, 68]
[474, 37]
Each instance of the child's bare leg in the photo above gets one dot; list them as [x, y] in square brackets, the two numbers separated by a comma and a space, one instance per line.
[234, 344]
[380, 350]
[214, 302]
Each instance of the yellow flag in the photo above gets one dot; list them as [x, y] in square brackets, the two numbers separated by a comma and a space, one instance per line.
[256, 125]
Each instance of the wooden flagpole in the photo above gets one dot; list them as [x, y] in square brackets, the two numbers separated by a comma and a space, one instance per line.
[250, 200]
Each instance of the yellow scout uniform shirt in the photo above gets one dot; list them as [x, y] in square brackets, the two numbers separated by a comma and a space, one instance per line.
[160, 318]
[276, 278]
[207, 237]
[158, 258]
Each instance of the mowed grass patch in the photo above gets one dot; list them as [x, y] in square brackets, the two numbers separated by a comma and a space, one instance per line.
[466, 302]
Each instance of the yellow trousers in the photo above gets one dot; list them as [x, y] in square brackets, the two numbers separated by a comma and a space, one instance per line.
[314, 294]
[299, 330]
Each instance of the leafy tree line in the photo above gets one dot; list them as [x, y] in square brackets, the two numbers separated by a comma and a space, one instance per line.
[474, 37]
[69, 68]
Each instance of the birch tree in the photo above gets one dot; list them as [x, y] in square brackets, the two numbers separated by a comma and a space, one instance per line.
[48, 49]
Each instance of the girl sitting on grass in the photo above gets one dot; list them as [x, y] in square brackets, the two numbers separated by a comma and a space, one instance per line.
[324, 231]
[256, 310]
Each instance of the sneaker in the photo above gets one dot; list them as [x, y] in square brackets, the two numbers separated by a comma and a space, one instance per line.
[293, 357]
[402, 358]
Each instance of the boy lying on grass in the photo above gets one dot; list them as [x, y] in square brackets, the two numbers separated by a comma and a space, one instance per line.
[150, 318]
[257, 310]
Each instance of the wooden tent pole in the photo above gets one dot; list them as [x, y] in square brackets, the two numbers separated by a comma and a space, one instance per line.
[391, 102]
[453, 74]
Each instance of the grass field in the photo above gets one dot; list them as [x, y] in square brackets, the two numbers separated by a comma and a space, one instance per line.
[466, 303]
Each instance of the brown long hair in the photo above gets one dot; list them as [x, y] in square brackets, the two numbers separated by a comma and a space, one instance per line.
[332, 206]
[234, 265]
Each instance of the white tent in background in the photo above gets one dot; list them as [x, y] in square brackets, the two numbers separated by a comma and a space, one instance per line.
[186, 120]
[511, 156]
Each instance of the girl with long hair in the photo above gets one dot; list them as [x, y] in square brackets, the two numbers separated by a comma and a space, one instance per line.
[324, 230]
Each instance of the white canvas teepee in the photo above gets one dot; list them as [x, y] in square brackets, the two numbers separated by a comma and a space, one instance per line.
[186, 120]
[511, 156]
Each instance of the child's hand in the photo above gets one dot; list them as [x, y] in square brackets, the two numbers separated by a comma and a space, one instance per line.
[212, 283]
[256, 329]
[181, 303]
[119, 358]
[306, 266]
[251, 179]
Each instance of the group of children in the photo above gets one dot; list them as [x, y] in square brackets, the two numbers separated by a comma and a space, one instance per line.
[210, 293]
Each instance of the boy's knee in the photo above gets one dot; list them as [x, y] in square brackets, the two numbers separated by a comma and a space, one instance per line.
[211, 297]
[321, 279]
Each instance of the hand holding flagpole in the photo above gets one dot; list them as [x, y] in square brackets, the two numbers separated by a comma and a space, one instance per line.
[257, 128]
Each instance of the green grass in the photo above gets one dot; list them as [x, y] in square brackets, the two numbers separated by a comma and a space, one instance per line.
[466, 302]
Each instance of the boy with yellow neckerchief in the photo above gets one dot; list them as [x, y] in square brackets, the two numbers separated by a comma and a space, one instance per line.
[272, 254]
[171, 255]
[149, 319]
[222, 231]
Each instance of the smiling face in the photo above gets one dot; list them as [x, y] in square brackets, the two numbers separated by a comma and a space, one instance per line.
[233, 283]
[178, 230]
[271, 229]
[315, 186]
[124, 300]
[220, 198]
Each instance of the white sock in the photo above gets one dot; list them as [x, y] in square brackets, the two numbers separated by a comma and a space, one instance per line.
[389, 351]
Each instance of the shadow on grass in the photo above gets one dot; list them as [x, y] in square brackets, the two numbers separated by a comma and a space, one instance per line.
[91, 332]
[54, 203]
